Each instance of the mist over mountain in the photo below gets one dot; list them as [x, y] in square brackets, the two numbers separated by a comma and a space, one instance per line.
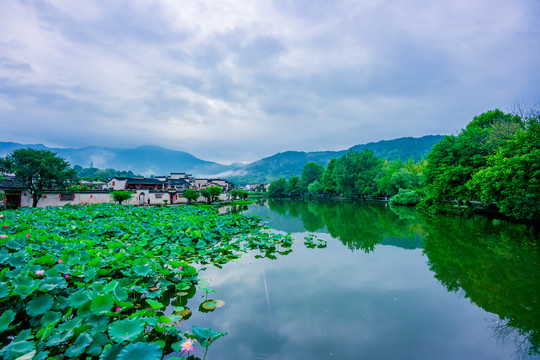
[154, 160]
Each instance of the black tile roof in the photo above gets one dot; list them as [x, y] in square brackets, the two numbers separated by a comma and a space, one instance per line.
[12, 184]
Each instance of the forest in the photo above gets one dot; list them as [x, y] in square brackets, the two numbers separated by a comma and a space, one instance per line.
[493, 163]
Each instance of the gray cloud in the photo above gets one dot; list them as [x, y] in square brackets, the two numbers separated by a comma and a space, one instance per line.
[237, 81]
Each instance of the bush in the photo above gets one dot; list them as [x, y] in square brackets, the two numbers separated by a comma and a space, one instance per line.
[405, 197]
[121, 195]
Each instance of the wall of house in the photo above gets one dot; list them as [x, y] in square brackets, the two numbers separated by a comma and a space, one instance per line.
[141, 197]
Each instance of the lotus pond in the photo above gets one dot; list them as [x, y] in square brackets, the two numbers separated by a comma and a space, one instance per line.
[113, 282]
[330, 280]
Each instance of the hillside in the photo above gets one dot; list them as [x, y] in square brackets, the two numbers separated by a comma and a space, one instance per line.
[145, 160]
[154, 160]
[291, 163]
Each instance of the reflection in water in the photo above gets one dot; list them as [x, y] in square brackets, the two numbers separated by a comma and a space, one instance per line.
[357, 225]
[491, 262]
[484, 259]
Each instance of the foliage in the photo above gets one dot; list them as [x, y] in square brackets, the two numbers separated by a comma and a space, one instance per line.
[84, 281]
[454, 160]
[312, 172]
[191, 195]
[511, 177]
[211, 193]
[405, 197]
[239, 194]
[93, 173]
[38, 170]
[278, 187]
[357, 173]
[121, 195]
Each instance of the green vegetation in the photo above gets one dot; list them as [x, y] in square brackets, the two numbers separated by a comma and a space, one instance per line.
[94, 174]
[495, 160]
[38, 170]
[211, 193]
[121, 195]
[355, 174]
[191, 195]
[89, 280]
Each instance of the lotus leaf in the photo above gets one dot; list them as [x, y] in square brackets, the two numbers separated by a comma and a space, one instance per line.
[126, 330]
[102, 304]
[5, 319]
[39, 305]
[78, 347]
[78, 299]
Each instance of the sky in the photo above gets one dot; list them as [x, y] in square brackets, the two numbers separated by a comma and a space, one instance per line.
[237, 80]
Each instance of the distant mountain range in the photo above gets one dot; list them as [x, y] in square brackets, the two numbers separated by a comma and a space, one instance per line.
[155, 160]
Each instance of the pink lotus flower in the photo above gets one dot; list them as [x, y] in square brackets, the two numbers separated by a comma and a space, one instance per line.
[40, 272]
[1, 216]
[66, 276]
[27, 235]
[60, 261]
[5, 226]
[187, 345]
[179, 268]
[3, 236]
[118, 309]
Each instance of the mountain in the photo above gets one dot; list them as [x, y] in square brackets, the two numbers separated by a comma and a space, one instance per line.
[291, 163]
[154, 160]
[145, 160]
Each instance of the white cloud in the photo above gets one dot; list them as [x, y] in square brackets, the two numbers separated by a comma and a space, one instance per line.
[239, 80]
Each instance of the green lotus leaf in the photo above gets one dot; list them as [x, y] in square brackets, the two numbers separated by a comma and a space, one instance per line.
[80, 344]
[79, 298]
[14, 244]
[4, 290]
[111, 353]
[45, 259]
[6, 318]
[53, 282]
[126, 330]
[39, 305]
[154, 304]
[51, 317]
[206, 336]
[110, 286]
[120, 293]
[211, 305]
[19, 346]
[99, 340]
[17, 261]
[102, 304]
[142, 270]
[141, 351]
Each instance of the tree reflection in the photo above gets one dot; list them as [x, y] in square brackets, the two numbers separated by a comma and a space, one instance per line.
[495, 267]
[358, 225]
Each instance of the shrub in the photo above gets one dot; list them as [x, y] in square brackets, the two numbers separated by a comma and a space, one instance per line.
[405, 197]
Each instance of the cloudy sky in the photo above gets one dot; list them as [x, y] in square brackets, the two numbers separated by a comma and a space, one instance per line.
[238, 80]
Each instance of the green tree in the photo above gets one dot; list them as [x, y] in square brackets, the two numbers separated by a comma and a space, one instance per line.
[312, 172]
[215, 191]
[453, 161]
[121, 195]
[191, 195]
[206, 194]
[38, 170]
[295, 186]
[357, 173]
[328, 180]
[315, 188]
[277, 187]
[511, 178]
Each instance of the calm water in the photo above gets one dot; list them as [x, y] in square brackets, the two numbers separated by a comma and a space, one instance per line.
[390, 285]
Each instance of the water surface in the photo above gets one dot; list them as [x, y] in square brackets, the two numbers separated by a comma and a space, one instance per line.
[390, 284]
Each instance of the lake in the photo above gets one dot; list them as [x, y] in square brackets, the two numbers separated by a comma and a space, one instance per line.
[390, 284]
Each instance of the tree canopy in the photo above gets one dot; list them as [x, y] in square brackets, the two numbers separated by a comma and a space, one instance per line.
[38, 170]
